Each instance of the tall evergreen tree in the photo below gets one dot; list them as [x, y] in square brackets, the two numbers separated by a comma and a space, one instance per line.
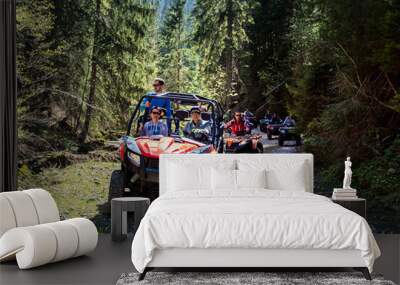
[81, 61]
[72, 37]
[173, 44]
[120, 52]
[178, 57]
[219, 30]
[35, 58]
[266, 66]
[93, 74]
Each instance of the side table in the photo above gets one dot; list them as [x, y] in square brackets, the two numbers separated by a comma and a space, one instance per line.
[357, 205]
[119, 209]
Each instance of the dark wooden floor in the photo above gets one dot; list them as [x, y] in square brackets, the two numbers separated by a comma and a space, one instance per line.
[110, 260]
[103, 266]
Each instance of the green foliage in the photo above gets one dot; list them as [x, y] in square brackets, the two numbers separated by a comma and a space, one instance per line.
[177, 62]
[377, 180]
[35, 54]
[266, 64]
[219, 31]
[56, 42]
[342, 91]
[345, 95]
[126, 58]
[210, 29]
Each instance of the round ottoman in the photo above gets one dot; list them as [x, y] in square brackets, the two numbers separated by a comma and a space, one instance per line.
[119, 209]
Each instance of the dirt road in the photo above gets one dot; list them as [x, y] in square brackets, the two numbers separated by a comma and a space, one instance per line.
[271, 146]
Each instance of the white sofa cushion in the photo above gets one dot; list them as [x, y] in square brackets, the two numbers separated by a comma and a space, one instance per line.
[26, 208]
[189, 176]
[45, 206]
[7, 218]
[87, 233]
[251, 179]
[287, 174]
[67, 240]
[23, 209]
[40, 244]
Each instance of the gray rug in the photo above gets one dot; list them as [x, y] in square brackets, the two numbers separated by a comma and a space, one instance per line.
[242, 278]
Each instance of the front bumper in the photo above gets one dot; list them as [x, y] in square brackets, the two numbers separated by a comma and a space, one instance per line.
[147, 168]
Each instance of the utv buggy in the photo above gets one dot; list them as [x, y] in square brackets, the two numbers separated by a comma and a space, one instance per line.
[140, 154]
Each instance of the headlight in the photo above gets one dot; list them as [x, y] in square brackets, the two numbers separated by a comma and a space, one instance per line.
[135, 157]
[283, 131]
[243, 143]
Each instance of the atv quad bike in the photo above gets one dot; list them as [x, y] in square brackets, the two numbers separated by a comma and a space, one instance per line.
[243, 144]
[289, 133]
[139, 155]
[273, 129]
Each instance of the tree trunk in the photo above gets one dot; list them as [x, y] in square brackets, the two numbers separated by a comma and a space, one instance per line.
[93, 78]
[178, 75]
[83, 97]
[229, 47]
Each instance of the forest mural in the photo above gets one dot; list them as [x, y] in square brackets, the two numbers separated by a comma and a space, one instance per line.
[333, 65]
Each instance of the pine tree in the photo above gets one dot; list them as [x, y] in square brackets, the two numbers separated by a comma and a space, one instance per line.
[81, 61]
[35, 57]
[172, 45]
[266, 67]
[219, 30]
[178, 60]
[119, 55]
[93, 74]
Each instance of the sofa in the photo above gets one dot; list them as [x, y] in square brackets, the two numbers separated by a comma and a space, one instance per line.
[31, 231]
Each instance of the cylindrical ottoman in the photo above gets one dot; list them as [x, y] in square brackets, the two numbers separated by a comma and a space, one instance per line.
[119, 209]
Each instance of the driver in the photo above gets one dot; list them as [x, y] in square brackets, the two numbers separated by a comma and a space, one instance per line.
[275, 119]
[196, 123]
[238, 125]
[154, 126]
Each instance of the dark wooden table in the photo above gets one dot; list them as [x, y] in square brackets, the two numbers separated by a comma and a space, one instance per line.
[358, 205]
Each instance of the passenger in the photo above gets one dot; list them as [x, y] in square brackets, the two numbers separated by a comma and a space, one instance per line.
[268, 115]
[154, 126]
[196, 123]
[238, 125]
[289, 121]
[275, 119]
